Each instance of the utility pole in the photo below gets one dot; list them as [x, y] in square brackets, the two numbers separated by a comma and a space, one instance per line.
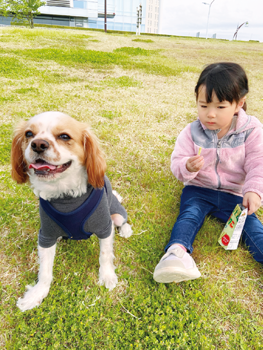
[105, 16]
[139, 19]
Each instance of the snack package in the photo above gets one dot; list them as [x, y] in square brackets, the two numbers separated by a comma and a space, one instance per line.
[231, 233]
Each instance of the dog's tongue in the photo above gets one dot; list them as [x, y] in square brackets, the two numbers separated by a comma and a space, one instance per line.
[42, 166]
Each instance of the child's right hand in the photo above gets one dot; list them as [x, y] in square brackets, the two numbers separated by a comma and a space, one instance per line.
[195, 163]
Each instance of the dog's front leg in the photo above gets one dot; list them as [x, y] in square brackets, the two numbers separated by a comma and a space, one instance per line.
[107, 274]
[34, 295]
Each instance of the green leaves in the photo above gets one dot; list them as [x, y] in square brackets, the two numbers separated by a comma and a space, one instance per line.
[22, 11]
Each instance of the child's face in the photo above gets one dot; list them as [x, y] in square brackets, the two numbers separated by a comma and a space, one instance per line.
[216, 115]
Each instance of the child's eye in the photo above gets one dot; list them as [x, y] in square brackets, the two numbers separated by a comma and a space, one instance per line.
[221, 107]
[203, 106]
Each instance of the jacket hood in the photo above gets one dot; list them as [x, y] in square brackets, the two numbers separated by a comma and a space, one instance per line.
[245, 122]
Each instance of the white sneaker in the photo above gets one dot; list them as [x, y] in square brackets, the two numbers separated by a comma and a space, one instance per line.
[177, 268]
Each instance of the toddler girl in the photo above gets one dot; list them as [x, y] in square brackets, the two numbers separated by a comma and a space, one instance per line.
[228, 172]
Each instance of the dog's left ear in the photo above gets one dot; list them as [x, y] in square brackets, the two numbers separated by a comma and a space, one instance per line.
[94, 159]
[19, 167]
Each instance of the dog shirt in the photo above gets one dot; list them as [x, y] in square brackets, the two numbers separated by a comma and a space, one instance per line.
[85, 215]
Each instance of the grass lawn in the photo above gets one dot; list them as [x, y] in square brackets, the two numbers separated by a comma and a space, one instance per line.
[137, 96]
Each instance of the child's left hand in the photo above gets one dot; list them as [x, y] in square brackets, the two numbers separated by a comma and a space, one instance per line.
[252, 202]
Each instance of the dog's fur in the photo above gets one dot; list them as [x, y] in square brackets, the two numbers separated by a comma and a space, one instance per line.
[72, 151]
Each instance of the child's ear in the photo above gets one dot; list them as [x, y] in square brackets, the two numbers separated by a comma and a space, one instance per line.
[241, 103]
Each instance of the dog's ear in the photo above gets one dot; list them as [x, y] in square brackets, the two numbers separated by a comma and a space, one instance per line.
[19, 167]
[94, 159]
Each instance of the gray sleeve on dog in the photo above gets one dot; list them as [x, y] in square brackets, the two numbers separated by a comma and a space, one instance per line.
[114, 204]
[100, 221]
[49, 231]
[117, 208]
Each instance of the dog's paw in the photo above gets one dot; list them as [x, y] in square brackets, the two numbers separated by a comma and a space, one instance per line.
[125, 231]
[33, 297]
[108, 279]
[116, 194]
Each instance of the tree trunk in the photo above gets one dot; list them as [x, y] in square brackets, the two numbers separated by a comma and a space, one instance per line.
[31, 22]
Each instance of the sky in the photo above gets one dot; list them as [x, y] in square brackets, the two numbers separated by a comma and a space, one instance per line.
[188, 17]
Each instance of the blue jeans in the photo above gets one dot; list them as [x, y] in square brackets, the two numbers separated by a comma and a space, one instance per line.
[197, 202]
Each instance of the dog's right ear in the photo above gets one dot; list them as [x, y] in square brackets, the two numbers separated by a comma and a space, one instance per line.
[94, 159]
[19, 167]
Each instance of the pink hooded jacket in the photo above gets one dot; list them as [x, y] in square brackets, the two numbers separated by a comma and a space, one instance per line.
[232, 164]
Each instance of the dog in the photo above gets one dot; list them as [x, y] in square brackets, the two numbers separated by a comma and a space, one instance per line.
[62, 160]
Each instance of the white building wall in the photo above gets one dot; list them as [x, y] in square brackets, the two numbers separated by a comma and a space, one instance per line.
[76, 8]
[92, 8]
[152, 16]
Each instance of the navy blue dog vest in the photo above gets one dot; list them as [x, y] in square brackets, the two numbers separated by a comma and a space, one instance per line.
[73, 222]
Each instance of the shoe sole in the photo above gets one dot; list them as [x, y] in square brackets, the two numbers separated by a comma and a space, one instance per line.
[168, 275]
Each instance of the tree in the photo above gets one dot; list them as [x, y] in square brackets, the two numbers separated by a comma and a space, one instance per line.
[22, 11]
[3, 8]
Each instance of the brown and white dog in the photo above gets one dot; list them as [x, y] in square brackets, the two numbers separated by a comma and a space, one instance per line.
[61, 157]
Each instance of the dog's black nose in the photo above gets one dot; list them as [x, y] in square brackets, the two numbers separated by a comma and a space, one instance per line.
[39, 145]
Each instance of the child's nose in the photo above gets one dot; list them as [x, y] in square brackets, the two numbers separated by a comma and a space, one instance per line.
[211, 113]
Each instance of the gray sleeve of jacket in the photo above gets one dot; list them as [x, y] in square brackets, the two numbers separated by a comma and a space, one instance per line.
[49, 230]
[100, 222]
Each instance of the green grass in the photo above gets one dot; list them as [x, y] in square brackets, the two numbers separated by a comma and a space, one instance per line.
[10, 67]
[110, 114]
[122, 82]
[137, 101]
[135, 51]
[149, 61]
[5, 143]
[143, 40]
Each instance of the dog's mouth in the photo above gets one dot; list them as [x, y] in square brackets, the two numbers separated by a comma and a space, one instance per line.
[43, 168]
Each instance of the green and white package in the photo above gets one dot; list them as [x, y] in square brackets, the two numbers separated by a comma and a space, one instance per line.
[231, 233]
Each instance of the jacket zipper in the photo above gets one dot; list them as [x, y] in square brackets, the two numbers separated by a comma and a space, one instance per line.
[218, 161]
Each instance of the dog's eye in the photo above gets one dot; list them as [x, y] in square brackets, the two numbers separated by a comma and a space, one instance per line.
[29, 134]
[64, 137]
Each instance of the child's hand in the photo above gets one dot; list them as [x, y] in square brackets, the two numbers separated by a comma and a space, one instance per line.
[194, 163]
[252, 202]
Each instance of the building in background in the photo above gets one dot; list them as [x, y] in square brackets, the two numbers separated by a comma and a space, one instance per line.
[152, 16]
[73, 13]
[124, 15]
[121, 14]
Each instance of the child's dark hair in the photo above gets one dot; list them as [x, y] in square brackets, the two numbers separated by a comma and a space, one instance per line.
[228, 80]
